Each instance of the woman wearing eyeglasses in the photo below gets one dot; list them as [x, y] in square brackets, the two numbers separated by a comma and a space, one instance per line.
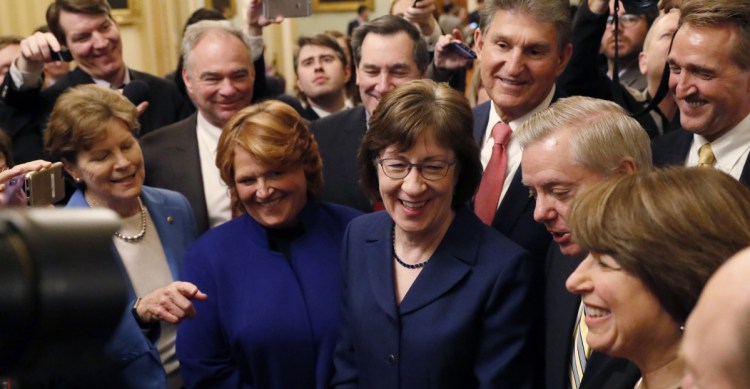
[432, 297]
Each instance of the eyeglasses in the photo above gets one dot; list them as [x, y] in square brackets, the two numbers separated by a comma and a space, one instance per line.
[626, 20]
[430, 170]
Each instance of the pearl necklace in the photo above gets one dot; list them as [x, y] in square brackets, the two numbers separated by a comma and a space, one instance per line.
[130, 238]
[417, 265]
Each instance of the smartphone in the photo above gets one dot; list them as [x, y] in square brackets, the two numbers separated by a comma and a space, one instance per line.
[462, 50]
[44, 187]
[287, 8]
[62, 55]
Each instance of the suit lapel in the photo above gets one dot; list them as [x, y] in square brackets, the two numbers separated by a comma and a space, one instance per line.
[516, 200]
[379, 267]
[481, 117]
[745, 175]
[450, 263]
[161, 212]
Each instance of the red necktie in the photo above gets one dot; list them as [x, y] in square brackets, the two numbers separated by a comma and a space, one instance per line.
[488, 195]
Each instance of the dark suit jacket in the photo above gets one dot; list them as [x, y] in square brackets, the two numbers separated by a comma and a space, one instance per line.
[166, 105]
[306, 112]
[339, 136]
[673, 148]
[515, 219]
[561, 309]
[351, 26]
[462, 324]
[172, 162]
[515, 216]
[24, 128]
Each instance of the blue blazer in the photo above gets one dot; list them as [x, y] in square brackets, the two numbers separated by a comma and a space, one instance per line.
[463, 323]
[133, 354]
[269, 321]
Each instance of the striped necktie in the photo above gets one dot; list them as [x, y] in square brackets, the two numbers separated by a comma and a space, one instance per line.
[581, 350]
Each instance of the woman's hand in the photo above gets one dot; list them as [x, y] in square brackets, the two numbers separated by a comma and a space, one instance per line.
[171, 303]
[11, 182]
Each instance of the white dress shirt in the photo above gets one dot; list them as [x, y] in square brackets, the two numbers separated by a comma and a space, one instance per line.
[513, 148]
[218, 201]
[731, 149]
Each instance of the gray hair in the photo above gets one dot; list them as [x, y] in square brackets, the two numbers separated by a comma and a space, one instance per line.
[604, 134]
[196, 32]
[548, 11]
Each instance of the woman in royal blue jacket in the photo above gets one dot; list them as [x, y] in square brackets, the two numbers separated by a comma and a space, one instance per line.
[272, 274]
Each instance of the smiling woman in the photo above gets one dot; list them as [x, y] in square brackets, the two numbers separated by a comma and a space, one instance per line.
[272, 274]
[91, 131]
[434, 298]
[654, 239]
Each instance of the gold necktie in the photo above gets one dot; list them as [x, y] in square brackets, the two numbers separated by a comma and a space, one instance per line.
[706, 156]
[581, 350]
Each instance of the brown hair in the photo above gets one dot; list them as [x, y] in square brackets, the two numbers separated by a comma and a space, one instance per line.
[323, 40]
[77, 121]
[414, 109]
[671, 228]
[9, 40]
[717, 13]
[274, 133]
[391, 25]
[90, 7]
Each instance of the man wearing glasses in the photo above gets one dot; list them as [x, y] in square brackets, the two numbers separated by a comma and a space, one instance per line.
[633, 24]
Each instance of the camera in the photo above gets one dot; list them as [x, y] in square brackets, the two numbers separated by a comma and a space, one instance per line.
[642, 4]
[62, 291]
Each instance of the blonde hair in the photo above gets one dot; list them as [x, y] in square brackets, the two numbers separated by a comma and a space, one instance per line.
[273, 133]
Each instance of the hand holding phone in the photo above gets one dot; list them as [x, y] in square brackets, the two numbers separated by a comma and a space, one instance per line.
[44, 187]
[286, 8]
[62, 55]
[461, 49]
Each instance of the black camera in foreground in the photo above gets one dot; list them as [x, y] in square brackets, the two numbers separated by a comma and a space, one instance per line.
[62, 291]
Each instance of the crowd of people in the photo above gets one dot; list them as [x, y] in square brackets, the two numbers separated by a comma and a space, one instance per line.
[382, 229]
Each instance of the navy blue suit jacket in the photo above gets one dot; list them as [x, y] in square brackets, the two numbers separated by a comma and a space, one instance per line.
[463, 323]
[673, 147]
[515, 215]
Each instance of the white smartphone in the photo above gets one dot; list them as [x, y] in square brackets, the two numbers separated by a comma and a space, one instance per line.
[287, 8]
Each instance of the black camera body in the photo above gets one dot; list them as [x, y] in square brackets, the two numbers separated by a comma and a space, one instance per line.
[62, 291]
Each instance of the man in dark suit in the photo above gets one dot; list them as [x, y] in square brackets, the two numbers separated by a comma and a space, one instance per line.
[87, 29]
[388, 52]
[521, 55]
[322, 73]
[710, 80]
[219, 77]
[363, 14]
[576, 142]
